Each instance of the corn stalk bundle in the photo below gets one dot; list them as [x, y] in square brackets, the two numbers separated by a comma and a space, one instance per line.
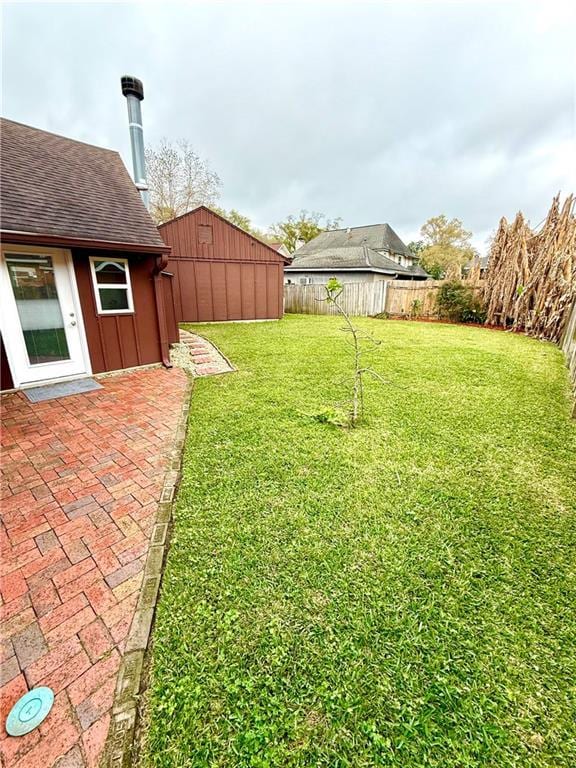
[531, 278]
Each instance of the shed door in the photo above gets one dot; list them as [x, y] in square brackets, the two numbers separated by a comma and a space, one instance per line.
[41, 320]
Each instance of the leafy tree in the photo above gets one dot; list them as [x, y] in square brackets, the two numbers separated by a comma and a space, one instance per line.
[304, 227]
[447, 246]
[179, 180]
[241, 221]
[435, 271]
[416, 246]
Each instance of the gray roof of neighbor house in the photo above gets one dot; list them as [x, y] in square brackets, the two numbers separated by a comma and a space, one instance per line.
[355, 257]
[62, 188]
[379, 237]
[483, 262]
[358, 257]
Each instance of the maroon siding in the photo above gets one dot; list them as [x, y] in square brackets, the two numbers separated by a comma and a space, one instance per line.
[221, 272]
[120, 341]
[5, 372]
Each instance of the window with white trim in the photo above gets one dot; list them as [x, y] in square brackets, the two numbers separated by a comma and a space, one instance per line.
[112, 288]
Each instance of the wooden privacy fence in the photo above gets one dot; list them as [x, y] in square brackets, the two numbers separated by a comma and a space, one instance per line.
[396, 297]
[356, 299]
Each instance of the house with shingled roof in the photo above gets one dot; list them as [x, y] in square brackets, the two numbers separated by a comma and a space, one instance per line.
[355, 254]
[83, 288]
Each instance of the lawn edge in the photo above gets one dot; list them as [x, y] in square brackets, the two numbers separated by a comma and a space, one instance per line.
[121, 734]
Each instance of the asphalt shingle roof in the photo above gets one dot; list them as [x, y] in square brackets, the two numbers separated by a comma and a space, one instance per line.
[351, 257]
[379, 237]
[354, 257]
[56, 186]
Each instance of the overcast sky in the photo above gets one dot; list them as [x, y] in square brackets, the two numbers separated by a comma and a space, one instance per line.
[369, 111]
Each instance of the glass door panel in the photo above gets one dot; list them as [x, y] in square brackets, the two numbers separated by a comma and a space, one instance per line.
[38, 305]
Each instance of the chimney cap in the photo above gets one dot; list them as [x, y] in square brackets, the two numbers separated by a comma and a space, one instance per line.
[132, 86]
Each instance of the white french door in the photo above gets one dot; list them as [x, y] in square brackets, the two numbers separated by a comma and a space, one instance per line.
[40, 315]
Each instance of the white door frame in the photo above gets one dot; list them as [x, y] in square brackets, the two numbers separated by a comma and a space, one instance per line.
[12, 331]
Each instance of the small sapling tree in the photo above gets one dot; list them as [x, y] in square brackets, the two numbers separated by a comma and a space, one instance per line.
[334, 290]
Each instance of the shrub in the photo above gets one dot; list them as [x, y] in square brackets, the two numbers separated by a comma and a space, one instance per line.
[415, 309]
[457, 302]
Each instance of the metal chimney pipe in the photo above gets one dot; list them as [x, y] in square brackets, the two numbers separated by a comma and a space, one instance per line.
[133, 89]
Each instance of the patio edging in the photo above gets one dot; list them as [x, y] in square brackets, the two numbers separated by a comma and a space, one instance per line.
[119, 743]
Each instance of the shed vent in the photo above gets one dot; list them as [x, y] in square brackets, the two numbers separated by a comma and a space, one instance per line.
[205, 234]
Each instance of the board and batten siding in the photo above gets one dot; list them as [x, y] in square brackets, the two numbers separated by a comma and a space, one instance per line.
[121, 340]
[221, 272]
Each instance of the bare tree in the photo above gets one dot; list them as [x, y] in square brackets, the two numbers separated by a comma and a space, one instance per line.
[355, 412]
[179, 180]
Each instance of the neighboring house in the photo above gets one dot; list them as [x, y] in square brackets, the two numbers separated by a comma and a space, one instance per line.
[220, 272]
[81, 284]
[481, 260]
[355, 254]
[281, 248]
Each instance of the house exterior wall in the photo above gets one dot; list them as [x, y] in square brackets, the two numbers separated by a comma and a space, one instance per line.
[323, 277]
[220, 272]
[122, 340]
[117, 341]
[399, 258]
[5, 372]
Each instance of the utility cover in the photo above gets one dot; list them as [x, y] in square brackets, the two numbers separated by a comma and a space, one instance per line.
[29, 711]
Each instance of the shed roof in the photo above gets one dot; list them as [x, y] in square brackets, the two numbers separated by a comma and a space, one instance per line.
[379, 237]
[62, 188]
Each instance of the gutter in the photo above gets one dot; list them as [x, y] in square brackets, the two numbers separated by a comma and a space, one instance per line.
[159, 267]
[33, 238]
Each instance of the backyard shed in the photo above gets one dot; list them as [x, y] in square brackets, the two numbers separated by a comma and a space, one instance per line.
[221, 272]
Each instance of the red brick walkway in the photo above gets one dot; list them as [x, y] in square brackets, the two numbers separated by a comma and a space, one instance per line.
[81, 478]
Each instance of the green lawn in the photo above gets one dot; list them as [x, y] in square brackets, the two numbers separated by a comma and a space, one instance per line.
[402, 594]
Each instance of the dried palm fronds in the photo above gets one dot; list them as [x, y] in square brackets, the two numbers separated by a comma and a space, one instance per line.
[531, 278]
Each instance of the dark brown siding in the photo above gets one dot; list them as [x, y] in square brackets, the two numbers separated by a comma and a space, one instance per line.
[5, 372]
[120, 341]
[221, 272]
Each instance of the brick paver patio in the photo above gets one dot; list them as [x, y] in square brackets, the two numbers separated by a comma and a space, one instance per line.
[81, 480]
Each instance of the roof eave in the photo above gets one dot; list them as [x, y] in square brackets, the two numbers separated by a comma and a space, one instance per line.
[34, 238]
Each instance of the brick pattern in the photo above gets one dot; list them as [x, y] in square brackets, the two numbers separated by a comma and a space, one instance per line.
[81, 482]
[206, 359]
